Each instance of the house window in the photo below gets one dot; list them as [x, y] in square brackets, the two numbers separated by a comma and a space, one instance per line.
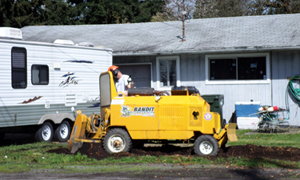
[18, 68]
[217, 67]
[168, 72]
[39, 74]
[238, 68]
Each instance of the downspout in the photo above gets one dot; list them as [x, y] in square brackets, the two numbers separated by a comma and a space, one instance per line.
[271, 74]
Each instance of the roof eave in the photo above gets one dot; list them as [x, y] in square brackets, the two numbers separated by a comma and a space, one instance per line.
[206, 51]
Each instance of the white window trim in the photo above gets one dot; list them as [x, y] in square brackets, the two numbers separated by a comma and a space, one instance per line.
[264, 81]
[166, 88]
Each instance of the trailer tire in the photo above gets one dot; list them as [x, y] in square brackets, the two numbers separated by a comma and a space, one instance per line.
[62, 132]
[117, 140]
[206, 145]
[44, 133]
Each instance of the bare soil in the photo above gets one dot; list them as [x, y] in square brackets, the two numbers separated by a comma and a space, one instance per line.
[248, 151]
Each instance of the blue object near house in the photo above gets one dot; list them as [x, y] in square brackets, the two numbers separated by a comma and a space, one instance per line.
[247, 109]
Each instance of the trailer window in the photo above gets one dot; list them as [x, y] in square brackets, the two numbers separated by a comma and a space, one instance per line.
[39, 74]
[18, 68]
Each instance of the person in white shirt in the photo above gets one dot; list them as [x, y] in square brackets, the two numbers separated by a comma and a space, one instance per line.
[122, 81]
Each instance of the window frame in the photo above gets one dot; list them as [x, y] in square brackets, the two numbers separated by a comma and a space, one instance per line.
[39, 69]
[231, 81]
[164, 58]
[14, 68]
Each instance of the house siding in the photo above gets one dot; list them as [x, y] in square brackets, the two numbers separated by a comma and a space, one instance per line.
[283, 64]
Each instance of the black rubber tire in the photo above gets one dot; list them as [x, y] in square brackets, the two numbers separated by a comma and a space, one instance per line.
[44, 133]
[206, 145]
[63, 131]
[117, 135]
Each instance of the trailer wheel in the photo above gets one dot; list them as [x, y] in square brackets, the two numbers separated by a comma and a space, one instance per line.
[44, 133]
[117, 140]
[62, 132]
[206, 145]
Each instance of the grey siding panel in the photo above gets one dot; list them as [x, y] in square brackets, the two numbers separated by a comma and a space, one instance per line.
[285, 64]
[184, 65]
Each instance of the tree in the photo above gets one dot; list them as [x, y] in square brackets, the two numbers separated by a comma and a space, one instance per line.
[116, 11]
[206, 9]
[147, 9]
[6, 12]
[15, 13]
[173, 10]
[20, 13]
[224, 8]
[54, 12]
[228, 8]
[276, 6]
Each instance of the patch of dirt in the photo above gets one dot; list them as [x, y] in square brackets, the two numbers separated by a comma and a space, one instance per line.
[249, 151]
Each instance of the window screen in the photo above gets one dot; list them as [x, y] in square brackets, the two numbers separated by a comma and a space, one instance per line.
[39, 74]
[18, 68]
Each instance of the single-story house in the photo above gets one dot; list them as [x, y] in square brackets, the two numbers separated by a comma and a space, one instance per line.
[249, 58]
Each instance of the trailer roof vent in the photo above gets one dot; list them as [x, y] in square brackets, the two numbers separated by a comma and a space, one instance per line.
[87, 44]
[64, 42]
[10, 33]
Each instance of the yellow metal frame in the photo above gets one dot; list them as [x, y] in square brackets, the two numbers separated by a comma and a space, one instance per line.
[227, 133]
[176, 117]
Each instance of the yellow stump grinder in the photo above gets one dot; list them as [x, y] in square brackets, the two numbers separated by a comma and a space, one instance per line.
[146, 115]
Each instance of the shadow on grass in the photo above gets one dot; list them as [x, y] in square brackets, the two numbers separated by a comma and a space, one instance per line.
[254, 174]
[17, 139]
[252, 171]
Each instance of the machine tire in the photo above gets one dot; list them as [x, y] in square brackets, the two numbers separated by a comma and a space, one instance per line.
[63, 131]
[206, 145]
[44, 133]
[117, 140]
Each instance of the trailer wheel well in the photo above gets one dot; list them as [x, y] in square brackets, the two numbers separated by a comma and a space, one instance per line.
[50, 121]
[56, 118]
[66, 119]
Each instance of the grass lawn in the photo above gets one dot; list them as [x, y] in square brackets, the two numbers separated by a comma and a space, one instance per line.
[34, 156]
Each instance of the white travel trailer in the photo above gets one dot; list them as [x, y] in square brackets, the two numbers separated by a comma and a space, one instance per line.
[43, 84]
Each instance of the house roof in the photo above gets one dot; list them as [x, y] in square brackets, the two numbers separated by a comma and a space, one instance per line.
[246, 33]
